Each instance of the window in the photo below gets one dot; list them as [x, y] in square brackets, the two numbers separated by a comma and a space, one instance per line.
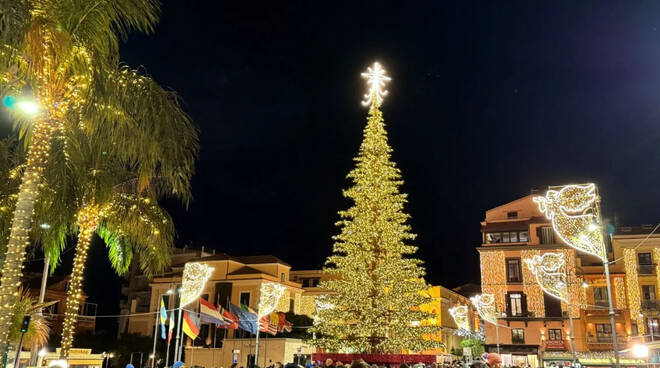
[654, 326]
[518, 335]
[644, 258]
[310, 282]
[507, 237]
[648, 292]
[645, 263]
[282, 277]
[634, 330]
[513, 272]
[604, 332]
[512, 214]
[600, 296]
[245, 298]
[554, 334]
[547, 235]
[515, 301]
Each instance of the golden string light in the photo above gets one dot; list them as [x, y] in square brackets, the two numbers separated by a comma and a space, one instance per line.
[493, 276]
[632, 285]
[535, 301]
[270, 294]
[485, 306]
[460, 315]
[620, 293]
[549, 273]
[376, 80]
[87, 220]
[574, 215]
[194, 278]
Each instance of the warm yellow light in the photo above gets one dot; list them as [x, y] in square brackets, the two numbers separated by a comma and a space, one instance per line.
[194, 278]
[376, 80]
[548, 271]
[460, 315]
[43, 352]
[574, 214]
[269, 297]
[485, 305]
[28, 107]
[640, 351]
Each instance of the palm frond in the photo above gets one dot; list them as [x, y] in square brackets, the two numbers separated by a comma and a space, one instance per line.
[99, 24]
[39, 327]
[120, 251]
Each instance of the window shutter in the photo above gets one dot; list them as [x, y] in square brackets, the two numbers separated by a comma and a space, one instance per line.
[523, 301]
[508, 305]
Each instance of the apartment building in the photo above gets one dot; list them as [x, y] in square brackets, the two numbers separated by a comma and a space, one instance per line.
[535, 327]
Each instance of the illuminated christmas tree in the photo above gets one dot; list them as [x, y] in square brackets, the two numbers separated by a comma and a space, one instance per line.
[374, 285]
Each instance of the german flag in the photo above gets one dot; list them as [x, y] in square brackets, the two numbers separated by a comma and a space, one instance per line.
[190, 325]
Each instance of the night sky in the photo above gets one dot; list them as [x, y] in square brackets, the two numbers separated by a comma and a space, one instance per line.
[487, 100]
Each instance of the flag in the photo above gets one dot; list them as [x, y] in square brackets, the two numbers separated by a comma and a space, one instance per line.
[209, 313]
[230, 318]
[171, 329]
[246, 321]
[282, 324]
[190, 325]
[163, 318]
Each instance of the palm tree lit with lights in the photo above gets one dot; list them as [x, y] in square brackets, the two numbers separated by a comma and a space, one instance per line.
[67, 54]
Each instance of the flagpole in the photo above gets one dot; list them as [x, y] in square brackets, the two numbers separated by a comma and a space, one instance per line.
[167, 355]
[256, 346]
[178, 336]
[153, 351]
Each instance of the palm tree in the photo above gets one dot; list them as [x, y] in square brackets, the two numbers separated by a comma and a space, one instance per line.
[39, 328]
[66, 53]
[109, 201]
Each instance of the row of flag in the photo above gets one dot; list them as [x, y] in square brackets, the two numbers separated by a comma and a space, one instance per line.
[242, 317]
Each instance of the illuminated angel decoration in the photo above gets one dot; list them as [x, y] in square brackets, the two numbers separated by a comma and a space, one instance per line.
[549, 275]
[195, 276]
[460, 315]
[269, 297]
[376, 80]
[574, 215]
[485, 305]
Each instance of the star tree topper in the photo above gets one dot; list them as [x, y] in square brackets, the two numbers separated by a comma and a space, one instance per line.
[376, 80]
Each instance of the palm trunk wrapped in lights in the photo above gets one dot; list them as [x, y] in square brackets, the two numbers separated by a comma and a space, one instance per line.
[43, 133]
[88, 221]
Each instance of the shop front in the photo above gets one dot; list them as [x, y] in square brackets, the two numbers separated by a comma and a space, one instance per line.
[555, 359]
[517, 355]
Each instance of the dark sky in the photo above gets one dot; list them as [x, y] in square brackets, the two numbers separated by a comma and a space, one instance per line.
[488, 99]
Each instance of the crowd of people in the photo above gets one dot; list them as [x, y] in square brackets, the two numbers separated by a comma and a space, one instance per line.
[489, 361]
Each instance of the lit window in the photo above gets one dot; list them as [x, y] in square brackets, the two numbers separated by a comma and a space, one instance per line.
[518, 335]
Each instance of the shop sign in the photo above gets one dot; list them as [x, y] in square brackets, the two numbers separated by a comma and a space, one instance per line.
[555, 344]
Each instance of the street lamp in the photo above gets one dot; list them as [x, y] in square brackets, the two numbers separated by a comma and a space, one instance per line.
[25, 106]
[584, 284]
[640, 351]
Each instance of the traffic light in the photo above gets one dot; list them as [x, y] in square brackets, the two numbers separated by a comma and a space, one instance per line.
[26, 324]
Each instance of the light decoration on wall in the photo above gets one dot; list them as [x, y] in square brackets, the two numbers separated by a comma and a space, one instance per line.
[493, 276]
[656, 258]
[376, 80]
[460, 315]
[194, 278]
[535, 301]
[485, 306]
[270, 294]
[308, 305]
[575, 293]
[632, 285]
[620, 293]
[285, 302]
[573, 212]
[549, 273]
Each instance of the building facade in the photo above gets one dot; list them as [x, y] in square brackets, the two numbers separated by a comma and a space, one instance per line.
[535, 327]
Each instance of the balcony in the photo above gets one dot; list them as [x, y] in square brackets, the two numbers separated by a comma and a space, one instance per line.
[604, 342]
[646, 269]
[650, 305]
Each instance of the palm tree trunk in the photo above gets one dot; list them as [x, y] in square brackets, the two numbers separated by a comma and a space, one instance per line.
[88, 220]
[19, 237]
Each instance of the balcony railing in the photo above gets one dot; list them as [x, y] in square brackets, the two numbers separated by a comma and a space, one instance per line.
[604, 339]
[646, 269]
[650, 305]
